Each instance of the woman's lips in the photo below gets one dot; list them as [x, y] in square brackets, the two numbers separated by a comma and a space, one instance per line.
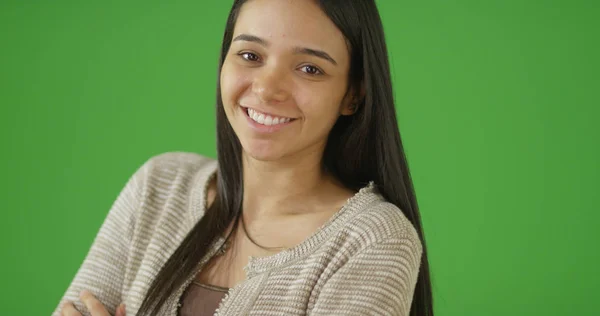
[263, 128]
[246, 108]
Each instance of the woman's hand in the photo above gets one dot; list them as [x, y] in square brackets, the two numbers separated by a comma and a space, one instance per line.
[93, 305]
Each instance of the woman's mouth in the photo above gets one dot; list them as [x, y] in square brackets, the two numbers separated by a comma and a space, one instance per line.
[266, 119]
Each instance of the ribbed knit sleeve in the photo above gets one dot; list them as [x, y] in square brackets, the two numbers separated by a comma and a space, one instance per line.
[379, 280]
[103, 268]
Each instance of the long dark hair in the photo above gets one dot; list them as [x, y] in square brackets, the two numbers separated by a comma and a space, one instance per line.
[363, 147]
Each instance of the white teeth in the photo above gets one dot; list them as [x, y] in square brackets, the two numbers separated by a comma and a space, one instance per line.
[265, 119]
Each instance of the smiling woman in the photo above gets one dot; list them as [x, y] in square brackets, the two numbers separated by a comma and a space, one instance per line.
[300, 73]
[309, 208]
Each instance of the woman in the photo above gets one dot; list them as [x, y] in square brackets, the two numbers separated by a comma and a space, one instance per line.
[309, 208]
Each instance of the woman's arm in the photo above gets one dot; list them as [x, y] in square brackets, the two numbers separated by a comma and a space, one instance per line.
[379, 280]
[103, 268]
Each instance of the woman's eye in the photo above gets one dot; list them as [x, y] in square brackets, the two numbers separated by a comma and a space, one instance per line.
[249, 56]
[311, 70]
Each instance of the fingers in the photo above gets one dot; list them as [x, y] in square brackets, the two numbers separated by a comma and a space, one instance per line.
[120, 310]
[93, 305]
[69, 310]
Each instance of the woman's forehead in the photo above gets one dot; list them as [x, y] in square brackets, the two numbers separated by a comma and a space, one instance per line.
[290, 23]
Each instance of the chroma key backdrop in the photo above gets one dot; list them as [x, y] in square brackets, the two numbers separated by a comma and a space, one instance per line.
[497, 103]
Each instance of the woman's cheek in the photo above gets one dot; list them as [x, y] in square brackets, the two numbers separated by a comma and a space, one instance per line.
[319, 101]
[233, 83]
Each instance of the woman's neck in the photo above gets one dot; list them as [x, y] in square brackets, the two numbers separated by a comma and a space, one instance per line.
[276, 189]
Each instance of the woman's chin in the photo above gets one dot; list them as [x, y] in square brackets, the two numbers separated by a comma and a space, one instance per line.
[262, 152]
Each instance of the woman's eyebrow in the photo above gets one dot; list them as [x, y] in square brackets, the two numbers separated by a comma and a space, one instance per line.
[316, 53]
[251, 38]
[297, 50]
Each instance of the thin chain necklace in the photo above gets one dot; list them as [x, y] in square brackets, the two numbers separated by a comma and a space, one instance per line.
[250, 238]
[226, 245]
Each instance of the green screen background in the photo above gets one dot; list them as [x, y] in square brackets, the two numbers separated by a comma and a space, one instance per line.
[497, 103]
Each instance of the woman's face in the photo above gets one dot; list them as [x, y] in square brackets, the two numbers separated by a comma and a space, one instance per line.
[284, 79]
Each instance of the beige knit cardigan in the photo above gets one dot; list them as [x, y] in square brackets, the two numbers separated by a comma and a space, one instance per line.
[363, 261]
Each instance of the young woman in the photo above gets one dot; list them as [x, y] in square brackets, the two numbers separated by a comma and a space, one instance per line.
[309, 208]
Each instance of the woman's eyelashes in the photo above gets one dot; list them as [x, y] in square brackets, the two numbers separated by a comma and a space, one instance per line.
[311, 70]
[248, 56]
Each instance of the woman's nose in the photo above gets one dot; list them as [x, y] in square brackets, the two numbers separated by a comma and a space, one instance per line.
[270, 85]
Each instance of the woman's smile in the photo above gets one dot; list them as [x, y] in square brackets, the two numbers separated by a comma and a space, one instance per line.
[264, 122]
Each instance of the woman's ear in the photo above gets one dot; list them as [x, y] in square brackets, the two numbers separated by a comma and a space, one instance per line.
[353, 100]
[350, 108]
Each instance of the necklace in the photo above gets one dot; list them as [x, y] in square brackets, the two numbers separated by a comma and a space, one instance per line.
[251, 240]
[226, 245]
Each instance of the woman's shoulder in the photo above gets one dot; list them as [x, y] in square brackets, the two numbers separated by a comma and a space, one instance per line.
[176, 160]
[169, 193]
[175, 174]
[375, 220]
[175, 165]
